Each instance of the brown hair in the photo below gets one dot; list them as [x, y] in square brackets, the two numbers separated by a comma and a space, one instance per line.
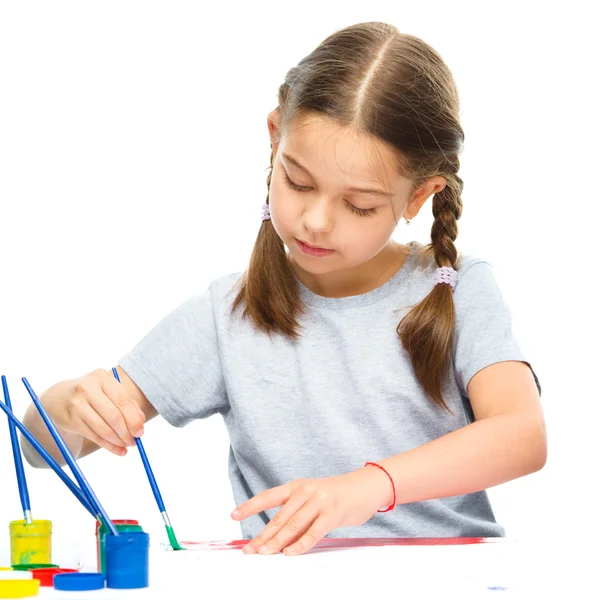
[397, 88]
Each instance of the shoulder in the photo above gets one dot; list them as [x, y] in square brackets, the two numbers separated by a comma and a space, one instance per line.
[222, 292]
[472, 270]
[212, 299]
[225, 287]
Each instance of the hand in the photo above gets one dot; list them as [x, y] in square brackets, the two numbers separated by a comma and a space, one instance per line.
[313, 507]
[97, 407]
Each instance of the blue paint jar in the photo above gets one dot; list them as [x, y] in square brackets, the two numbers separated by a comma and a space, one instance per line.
[126, 557]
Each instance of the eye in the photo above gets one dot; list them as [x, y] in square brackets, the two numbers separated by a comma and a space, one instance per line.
[362, 212]
[295, 186]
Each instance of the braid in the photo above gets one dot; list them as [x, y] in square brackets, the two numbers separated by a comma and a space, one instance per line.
[427, 332]
[447, 209]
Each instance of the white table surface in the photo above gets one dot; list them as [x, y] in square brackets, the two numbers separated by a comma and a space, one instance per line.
[499, 567]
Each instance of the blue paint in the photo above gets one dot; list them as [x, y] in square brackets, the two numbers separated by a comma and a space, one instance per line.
[126, 557]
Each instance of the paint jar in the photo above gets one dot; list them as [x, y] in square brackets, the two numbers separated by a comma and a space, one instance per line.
[126, 557]
[30, 543]
[100, 531]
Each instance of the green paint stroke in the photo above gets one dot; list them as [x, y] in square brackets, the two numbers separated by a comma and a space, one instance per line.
[172, 538]
[27, 557]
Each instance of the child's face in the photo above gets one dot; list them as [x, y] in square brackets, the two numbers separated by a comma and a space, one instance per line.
[326, 214]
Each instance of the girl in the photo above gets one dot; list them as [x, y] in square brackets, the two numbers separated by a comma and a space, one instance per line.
[369, 388]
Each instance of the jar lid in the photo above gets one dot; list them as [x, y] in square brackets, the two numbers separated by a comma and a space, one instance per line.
[33, 566]
[78, 581]
[19, 588]
[45, 576]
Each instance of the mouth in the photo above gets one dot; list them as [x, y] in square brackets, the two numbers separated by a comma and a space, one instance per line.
[312, 246]
[314, 251]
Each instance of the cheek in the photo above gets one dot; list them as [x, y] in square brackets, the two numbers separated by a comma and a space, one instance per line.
[284, 209]
[369, 237]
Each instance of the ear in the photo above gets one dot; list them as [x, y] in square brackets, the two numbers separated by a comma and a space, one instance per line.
[273, 121]
[430, 187]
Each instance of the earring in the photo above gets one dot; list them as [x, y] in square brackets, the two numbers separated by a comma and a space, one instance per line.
[407, 222]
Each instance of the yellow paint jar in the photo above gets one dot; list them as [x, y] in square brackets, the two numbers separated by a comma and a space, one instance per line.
[30, 543]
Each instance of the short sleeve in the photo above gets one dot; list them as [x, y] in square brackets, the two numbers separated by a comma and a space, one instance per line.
[177, 364]
[483, 326]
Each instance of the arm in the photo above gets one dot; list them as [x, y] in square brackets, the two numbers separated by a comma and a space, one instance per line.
[65, 400]
[506, 441]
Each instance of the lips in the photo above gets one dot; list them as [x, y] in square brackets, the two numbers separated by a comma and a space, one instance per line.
[312, 246]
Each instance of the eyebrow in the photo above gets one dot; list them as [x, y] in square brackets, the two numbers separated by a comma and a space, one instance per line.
[372, 191]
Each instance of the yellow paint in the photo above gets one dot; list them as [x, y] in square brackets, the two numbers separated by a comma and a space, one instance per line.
[30, 543]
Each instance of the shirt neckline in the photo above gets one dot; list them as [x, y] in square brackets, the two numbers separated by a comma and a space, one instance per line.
[313, 299]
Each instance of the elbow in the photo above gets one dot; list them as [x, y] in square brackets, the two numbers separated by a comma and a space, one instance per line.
[538, 446]
[32, 456]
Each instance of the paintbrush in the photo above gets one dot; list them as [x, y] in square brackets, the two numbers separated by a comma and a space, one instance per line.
[21, 479]
[49, 460]
[169, 530]
[69, 458]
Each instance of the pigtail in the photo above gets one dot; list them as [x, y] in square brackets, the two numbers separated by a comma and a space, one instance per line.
[427, 331]
[268, 289]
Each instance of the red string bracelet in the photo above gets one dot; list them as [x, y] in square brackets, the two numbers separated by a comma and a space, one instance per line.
[391, 507]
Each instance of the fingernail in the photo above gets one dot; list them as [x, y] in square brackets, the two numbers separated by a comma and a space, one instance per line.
[235, 513]
[263, 549]
[139, 432]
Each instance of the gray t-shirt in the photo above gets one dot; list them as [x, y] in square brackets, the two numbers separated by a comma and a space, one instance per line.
[344, 394]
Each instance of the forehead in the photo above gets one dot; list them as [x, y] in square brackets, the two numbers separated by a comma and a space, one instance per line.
[327, 146]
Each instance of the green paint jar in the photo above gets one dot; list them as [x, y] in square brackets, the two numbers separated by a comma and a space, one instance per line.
[122, 525]
[30, 543]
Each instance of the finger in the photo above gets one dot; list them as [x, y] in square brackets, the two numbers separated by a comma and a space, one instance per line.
[296, 526]
[316, 531]
[110, 413]
[133, 416]
[98, 426]
[85, 430]
[281, 519]
[267, 499]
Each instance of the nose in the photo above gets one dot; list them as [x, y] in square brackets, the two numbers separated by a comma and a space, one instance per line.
[317, 217]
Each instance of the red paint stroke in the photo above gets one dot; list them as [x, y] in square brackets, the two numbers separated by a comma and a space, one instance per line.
[354, 542]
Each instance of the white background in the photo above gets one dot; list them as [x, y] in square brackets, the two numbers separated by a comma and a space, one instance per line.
[133, 157]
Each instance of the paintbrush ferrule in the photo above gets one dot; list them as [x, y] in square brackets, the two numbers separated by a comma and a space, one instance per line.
[166, 519]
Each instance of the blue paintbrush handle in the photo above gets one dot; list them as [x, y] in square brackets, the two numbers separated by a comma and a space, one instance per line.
[146, 462]
[150, 475]
[48, 459]
[69, 458]
[23, 490]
